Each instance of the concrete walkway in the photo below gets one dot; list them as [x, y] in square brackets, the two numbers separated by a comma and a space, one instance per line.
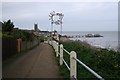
[37, 63]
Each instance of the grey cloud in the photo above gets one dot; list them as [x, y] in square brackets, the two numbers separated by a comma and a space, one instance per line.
[78, 16]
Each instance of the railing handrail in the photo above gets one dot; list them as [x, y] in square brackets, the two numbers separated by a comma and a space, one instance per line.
[89, 69]
[66, 51]
[66, 64]
[80, 62]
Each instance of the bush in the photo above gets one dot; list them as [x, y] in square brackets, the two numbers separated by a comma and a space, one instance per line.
[6, 36]
[24, 35]
[106, 63]
[42, 38]
[7, 26]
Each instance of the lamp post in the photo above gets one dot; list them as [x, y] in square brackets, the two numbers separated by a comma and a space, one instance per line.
[58, 21]
[51, 18]
[51, 15]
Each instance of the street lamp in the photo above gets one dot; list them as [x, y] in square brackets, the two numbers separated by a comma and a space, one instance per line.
[58, 21]
[51, 18]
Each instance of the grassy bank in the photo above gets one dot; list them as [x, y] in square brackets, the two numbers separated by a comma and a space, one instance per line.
[106, 63]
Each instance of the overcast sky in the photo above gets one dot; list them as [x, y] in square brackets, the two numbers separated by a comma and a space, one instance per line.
[78, 16]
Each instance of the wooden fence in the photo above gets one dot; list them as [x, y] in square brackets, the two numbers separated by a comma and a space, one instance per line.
[73, 60]
[13, 46]
[9, 47]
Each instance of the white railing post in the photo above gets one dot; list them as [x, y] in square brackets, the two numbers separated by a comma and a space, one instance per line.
[61, 54]
[58, 37]
[73, 65]
[53, 43]
[57, 49]
[48, 41]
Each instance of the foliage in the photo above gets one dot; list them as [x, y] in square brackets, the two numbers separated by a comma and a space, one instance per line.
[0, 34]
[9, 38]
[26, 36]
[6, 36]
[106, 63]
[7, 26]
[8, 32]
[42, 38]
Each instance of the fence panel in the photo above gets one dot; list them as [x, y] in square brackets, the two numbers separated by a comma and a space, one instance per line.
[9, 47]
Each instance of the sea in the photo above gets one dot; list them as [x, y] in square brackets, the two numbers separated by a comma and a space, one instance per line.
[109, 40]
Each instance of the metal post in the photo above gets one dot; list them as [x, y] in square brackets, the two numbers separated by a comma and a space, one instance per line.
[73, 66]
[61, 54]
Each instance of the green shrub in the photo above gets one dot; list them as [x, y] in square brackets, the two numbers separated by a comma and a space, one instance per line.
[106, 63]
[7, 26]
[7, 36]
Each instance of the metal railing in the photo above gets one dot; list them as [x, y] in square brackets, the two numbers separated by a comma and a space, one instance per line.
[73, 60]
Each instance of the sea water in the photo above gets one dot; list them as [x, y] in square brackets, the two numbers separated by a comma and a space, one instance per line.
[108, 41]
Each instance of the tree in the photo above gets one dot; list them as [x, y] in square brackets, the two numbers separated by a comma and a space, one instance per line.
[7, 26]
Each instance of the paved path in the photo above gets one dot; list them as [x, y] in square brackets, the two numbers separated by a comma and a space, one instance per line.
[37, 63]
